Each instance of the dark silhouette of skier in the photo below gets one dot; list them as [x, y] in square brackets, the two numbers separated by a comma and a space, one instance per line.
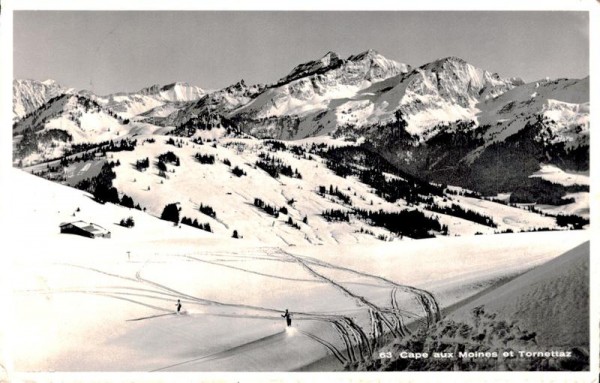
[178, 305]
[288, 318]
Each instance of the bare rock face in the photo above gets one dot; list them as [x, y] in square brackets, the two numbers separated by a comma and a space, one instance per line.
[28, 95]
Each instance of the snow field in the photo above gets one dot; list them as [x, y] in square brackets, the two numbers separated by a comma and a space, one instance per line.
[88, 297]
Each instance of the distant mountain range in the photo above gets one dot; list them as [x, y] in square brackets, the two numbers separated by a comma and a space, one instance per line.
[446, 122]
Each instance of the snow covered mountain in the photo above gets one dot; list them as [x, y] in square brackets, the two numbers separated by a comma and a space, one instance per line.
[294, 106]
[65, 117]
[443, 123]
[493, 144]
[446, 90]
[129, 105]
[64, 120]
[28, 95]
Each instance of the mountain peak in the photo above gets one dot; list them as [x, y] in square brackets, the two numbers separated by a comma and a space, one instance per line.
[153, 89]
[376, 66]
[454, 59]
[329, 58]
[49, 82]
[240, 85]
[330, 61]
[176, 84]
[370, 53]
[440, 63]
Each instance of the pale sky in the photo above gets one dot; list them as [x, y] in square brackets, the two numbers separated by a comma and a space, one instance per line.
[111, 51]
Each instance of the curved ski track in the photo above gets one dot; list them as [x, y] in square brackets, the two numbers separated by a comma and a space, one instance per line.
[357, 345]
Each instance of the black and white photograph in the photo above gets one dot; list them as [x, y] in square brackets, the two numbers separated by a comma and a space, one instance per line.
[298, 191]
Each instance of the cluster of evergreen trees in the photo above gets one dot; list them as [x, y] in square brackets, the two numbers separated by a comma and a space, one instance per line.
[336, 215]
[275, 145]
[271, 210]
[171, 213]
[101, 185]
[541, 191]
[205, 122]
[50, 173]
[177, 143]
[87, 156]
[237, 171]
[207, 159]
[370, 167]
[564, 220]
[340, 168]
[142, 164]
[127, 222]
[169, 157]
[122, 145]
[83, 147]
[91, 105]
[293, 224]
[102, 189]
[31, 140]
[275, 166]
[205, 209]
[391, 190]
[575, 221]
[85, 151]
[194, 223]
[297, 150]
[465, 193]
[457, 211]
[335, 192]
[411, 223]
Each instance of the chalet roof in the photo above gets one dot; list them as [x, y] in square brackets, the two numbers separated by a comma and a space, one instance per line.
[87, 226]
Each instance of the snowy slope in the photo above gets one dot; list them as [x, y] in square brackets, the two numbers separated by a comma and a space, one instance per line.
[80, 120]
[563, 104]
[114, 310]
[191, 184]
[232, 197]
[563, 281]
[67, 119]
[446, 90]
[554, 174]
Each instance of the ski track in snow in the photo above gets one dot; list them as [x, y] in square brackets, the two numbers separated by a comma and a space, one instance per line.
[351, 328]
[249, 271]
[258, 343]
[356, 344]
[424, 297]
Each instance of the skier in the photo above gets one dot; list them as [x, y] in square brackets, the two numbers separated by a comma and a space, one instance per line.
[288, 318]
[178, 305]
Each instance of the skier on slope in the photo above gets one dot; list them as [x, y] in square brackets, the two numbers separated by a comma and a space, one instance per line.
[178, 305]
[288, 318]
